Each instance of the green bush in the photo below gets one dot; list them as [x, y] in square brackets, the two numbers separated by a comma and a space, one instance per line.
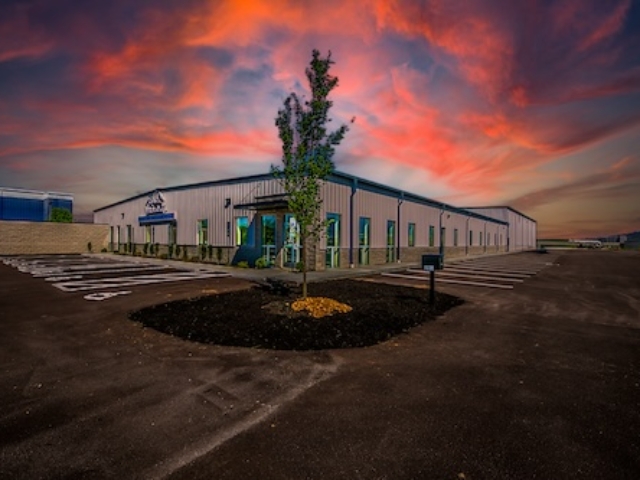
[164, 256]
[219, 254]
[242, 264]
[89, 247]
[184, 252]
[210, 252]
[60, 215]
[262, 262]
[145, 249]
[170, 249]
[104, 250]
[203, 251]
[194, 258]
[152, 249]
[157, 250]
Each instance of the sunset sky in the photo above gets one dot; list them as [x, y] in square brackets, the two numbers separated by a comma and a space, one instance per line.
[533, 104]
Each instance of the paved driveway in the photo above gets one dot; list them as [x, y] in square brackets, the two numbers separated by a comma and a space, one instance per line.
[542, 381]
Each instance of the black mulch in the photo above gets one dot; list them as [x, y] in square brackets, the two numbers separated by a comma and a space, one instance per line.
[248, 318]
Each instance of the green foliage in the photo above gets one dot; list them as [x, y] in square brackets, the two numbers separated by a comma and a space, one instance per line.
[104, 250]
[185, 253]
[203, 252]
[157, 249]
[164, 256]
[170, 250]
[60, 215]
[210, 252]
[89, 247]
[145, 249]
[262, 262]
[307, 151]
[219, 254]
[242, 264]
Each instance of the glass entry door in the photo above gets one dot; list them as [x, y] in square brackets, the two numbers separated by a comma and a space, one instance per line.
[364, 245]
[333, 241]
[291, 241]
[269, 238]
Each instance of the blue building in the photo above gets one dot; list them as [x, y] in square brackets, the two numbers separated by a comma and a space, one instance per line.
[31, 205]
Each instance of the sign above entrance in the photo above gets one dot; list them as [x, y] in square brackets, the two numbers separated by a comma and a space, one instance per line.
[155, 203]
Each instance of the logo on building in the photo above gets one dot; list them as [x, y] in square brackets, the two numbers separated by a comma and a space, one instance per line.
[155, 203]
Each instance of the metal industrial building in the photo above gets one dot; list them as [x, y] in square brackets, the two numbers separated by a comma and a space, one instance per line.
[31, 205]
[246, 218]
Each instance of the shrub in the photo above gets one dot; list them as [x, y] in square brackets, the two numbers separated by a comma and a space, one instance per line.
[219, 254]
[164, 256]
[157, 249]
[203, 252]
[104, 250]
[194, 258]
[145, 249]
[89, 247]
[134, 249]
[242, 264]
[152, 249]
[262, 262]
[60, 215]
[210, 252]
[184, 252]
[170, 250]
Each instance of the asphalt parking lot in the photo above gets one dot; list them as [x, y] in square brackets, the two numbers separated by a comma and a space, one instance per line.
[538, 381]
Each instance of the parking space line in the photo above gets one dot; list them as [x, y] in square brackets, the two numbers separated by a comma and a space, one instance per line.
[445, 280]
[117, 282]
[446, 273]
[133, 269]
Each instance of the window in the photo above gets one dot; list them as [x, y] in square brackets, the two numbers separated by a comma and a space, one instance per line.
[432, 235]
[470, 237]
[269, 237]
[364, 240]
[333, 240]
[391, 241]
[242, 231]
[455, 237]
[173, 234]
[203, 232]
[412, 234]
[147, 234]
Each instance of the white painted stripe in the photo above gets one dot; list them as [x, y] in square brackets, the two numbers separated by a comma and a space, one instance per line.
[444, 280]
[473, 276]
[133, 269]
[492, 272]
[118, 282]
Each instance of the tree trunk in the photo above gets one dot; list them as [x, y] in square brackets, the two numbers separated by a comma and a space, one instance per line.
[303, 239]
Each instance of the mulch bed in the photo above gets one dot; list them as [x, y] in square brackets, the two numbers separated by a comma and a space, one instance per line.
[260, 317]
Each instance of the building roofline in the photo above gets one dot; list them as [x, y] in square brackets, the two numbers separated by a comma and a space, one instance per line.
[508, 208]
[335, 177]
[34, 192]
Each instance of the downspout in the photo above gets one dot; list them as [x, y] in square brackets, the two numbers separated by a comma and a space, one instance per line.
[440, 233]
[354, 189]
[400, 202]
[467, 241]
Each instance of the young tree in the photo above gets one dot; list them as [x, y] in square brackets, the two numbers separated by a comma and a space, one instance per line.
[307, 152]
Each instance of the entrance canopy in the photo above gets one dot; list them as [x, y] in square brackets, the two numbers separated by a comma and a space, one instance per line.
[157, 219]
[266, 202]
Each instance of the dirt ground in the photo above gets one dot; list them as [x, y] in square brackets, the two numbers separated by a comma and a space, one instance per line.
[542, 381]
[262, 317]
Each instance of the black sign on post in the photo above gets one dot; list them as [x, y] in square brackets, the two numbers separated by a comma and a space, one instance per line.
[431, 263]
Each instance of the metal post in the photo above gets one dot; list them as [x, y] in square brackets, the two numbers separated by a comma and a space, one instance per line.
[432, 288]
